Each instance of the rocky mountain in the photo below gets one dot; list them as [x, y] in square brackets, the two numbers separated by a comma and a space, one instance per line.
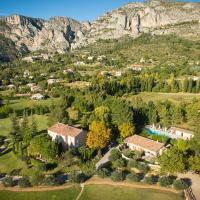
[61, 34]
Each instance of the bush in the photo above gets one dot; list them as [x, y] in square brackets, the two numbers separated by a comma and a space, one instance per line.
[77, 178]
[114, 155]
[133, 177]
[50, 181]
[165, 181]
[103, 173]
[142, 167]
[8, 182]
[132, 163]
[119, 163]
[24, 182]
[148, 180]
[180, 184]
[37, 178]
[117, 176]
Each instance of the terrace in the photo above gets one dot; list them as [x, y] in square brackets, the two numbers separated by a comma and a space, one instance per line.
[173, 132]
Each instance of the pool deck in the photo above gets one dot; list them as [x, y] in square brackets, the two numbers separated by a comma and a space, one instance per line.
[161, 132]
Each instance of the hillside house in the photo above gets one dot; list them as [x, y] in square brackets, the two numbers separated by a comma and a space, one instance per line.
[182, 133]
[68, 136]
[37, 96]
[148, 146]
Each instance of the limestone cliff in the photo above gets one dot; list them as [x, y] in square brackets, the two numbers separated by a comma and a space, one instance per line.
[61, 34]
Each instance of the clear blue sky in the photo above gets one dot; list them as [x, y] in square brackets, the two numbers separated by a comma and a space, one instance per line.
[78, 9]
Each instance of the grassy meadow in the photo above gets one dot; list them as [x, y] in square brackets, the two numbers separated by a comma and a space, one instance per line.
[66, 194]
[5, 124]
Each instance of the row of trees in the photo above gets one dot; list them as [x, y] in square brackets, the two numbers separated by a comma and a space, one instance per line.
[144, 83]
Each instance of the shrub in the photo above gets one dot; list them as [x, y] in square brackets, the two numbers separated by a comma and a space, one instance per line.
[50, 181]
[133, 177]
[77, 178]
[180, 184]
[8, 182]
[114, 155]
[36, 178]
[119, 163]
[103, 173]
[132, 163]
[142, 167]
[165, 181]
[24, 182]
[117, 176]
[148, 180]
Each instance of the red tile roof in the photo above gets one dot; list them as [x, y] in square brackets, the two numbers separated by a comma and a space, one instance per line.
[144, 143]
[65, 130]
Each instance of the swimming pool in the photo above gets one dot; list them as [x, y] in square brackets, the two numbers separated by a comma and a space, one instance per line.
[154, 132]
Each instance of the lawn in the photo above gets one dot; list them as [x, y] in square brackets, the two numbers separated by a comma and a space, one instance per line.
[93, 192]
[102, 192]
[9, 162]
[66, 194]
[153, 96]
[22, 104]
[5, 124]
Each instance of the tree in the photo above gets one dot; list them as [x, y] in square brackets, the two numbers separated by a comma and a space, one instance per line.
[117, 176]
[126, 130]
[172, 161]
[103, 113]
[103, 173]
[194, 162]
[114, 155]
[133, 177]
[181, 145]
[43, 146]
[34, 127]
[15, 127]
[165, 181]
[98, 136]
[180, 184]
[24, 182]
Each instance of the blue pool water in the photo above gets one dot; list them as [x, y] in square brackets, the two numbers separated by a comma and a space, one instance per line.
[152, 132]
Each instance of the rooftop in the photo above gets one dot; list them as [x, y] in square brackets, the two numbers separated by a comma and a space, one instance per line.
[182, 130]
[144, 143]
[65, 130]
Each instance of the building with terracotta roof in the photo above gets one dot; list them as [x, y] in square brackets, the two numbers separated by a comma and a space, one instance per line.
[181, 133]
[68, 136]
[149, 146]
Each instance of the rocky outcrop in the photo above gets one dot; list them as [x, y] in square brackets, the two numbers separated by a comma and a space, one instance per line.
[61, 33]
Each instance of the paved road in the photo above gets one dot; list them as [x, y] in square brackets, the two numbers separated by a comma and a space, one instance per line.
[104, 160]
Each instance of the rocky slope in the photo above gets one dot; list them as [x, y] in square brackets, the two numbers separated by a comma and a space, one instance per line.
[61, 33]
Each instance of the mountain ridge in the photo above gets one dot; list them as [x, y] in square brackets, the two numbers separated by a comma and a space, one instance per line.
[64, 33]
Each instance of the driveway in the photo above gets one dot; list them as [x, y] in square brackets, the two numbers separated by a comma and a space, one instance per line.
[195, 178]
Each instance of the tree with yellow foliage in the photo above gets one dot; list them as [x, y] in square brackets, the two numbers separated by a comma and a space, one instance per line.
[126, 130]
[98, 136]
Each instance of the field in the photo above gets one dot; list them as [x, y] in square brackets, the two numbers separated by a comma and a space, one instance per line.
[5, 124]
[21, 104]
[66, 194]
[152, 96]
[94, 192]
[9, 162]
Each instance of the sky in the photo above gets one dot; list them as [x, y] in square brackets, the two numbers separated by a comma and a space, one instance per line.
[78, 9]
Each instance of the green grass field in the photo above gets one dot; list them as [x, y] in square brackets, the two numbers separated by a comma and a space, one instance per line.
[9, 162]
[153, 96]
[93, 192]
[5, 124]
[67, 194]
[102, 192]
[22, 104]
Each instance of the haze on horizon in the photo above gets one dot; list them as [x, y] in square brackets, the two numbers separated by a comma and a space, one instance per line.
[77, 9]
